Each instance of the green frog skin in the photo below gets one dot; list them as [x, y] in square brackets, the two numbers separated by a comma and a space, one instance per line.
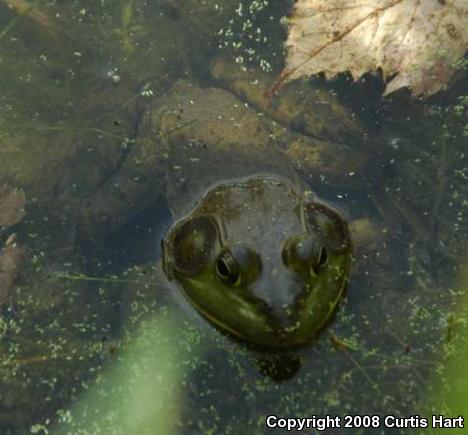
[261, 261]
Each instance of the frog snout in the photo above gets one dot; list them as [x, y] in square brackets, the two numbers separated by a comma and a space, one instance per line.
[280, 294]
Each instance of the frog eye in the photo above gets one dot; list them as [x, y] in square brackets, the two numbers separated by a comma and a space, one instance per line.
[305, 254]
[322, 258]
[329, 227]
[227, 268]
[191, 244]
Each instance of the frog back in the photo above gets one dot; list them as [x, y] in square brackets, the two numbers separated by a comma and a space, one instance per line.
[210, 137]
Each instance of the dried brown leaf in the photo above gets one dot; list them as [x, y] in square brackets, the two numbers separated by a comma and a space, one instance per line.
[418, 40]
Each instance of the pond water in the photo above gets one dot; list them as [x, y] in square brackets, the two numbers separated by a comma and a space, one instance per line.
[93, 336]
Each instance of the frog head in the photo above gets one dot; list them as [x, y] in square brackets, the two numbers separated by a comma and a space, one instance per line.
[261, 261]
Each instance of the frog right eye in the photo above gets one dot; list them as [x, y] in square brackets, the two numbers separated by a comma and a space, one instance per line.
[304, 254]
[190, 245]
[322, 258]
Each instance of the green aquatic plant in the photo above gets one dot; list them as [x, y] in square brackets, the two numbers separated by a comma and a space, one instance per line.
[138, 393]
[450, 395]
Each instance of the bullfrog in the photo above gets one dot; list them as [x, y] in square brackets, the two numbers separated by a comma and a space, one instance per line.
[252, 247]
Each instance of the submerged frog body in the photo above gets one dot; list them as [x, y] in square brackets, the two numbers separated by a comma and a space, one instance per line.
[252, 248]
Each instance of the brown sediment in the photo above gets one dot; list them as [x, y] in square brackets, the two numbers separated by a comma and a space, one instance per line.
[11, 260]
[12, 204]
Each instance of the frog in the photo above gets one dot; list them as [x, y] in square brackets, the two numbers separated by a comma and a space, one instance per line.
[252, 247]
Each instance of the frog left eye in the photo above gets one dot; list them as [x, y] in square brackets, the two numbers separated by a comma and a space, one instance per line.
[227, 268]
[238, 265]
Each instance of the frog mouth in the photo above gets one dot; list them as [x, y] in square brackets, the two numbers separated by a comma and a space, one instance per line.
[280, 301]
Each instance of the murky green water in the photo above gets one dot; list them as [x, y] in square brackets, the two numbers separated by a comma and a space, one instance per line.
[93, 339]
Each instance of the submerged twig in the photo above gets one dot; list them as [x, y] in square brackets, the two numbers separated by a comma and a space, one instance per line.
[85, 129]
[23, 8]
[341, 345]
[93, 278]
[179, 127]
